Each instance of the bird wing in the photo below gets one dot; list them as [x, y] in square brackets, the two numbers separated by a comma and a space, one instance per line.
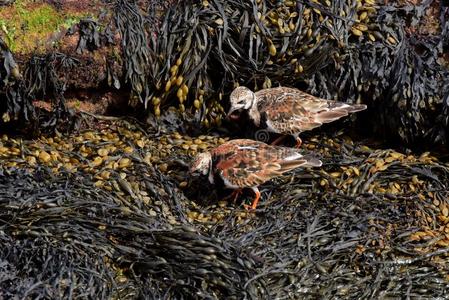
[292, 111]
[252, 163]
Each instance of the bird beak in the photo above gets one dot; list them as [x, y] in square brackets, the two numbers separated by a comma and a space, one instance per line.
[231, 110]
[229, 114]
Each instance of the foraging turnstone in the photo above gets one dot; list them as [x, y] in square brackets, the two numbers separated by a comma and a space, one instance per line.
[287, 110]
[244, 163]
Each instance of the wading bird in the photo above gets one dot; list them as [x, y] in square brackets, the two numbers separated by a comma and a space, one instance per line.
[244, 163]
[287, 111]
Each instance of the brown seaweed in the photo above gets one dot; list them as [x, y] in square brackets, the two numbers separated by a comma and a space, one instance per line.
[91, 214]
[41, 77]
[191, 54]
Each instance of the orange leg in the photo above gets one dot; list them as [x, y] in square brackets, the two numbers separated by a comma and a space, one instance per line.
[235, 194]
[255, 201]
[298, 142]
[278, 140]
[282, 137]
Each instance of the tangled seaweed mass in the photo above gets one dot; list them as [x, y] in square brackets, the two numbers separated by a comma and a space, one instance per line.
[39, 79]
[109, 214]
[388, 55]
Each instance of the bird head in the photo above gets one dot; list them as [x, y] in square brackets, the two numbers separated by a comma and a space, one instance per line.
[201, 163]
[242, 98]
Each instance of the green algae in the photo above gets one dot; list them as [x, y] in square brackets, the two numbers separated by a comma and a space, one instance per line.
[27, 26]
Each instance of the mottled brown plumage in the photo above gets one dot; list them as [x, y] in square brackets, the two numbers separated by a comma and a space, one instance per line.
[288, 111]
[244, 163]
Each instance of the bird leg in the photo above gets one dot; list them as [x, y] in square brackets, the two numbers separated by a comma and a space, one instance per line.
[278, 140]
[235, 194]
[282, 137]
[255, 201]
[298, 142]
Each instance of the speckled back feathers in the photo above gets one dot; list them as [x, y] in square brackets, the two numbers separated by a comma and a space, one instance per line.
[248, 163]
[288, 110]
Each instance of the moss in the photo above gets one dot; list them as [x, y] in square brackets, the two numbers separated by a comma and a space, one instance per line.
[27, 25]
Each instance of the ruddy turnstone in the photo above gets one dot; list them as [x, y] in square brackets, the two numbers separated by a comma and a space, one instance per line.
[244, 163]
[288, 111]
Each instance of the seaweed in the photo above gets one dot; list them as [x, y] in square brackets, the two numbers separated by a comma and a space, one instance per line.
[6, 2]
[63, 239]
[191, 54]
[354, 51]
[202, 50]
[41, 78]
[130, 24]
[404, 79]
[89, 35]
[107, 213]
[18, 104]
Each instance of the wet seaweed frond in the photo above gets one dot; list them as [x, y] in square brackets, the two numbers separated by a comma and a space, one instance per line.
[18, 104]
[42, 75]
[400, 74]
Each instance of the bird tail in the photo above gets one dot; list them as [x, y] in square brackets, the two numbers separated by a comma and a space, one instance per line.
[355, 108]
[304, 161]
[338, 111]
[312, 161]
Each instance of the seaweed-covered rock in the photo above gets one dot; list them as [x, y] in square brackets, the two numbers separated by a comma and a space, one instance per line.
[111, 212]
[355, 51]
[191, 54]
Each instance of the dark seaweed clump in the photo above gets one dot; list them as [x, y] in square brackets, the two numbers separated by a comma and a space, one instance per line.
[405, 84]
[354, 51]
[191, 54]
[367, 224]
[42, 77]
[63, 238]
[18, 105]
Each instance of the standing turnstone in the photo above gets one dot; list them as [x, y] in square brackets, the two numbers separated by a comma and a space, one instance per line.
[288, 111]
[244, 163]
